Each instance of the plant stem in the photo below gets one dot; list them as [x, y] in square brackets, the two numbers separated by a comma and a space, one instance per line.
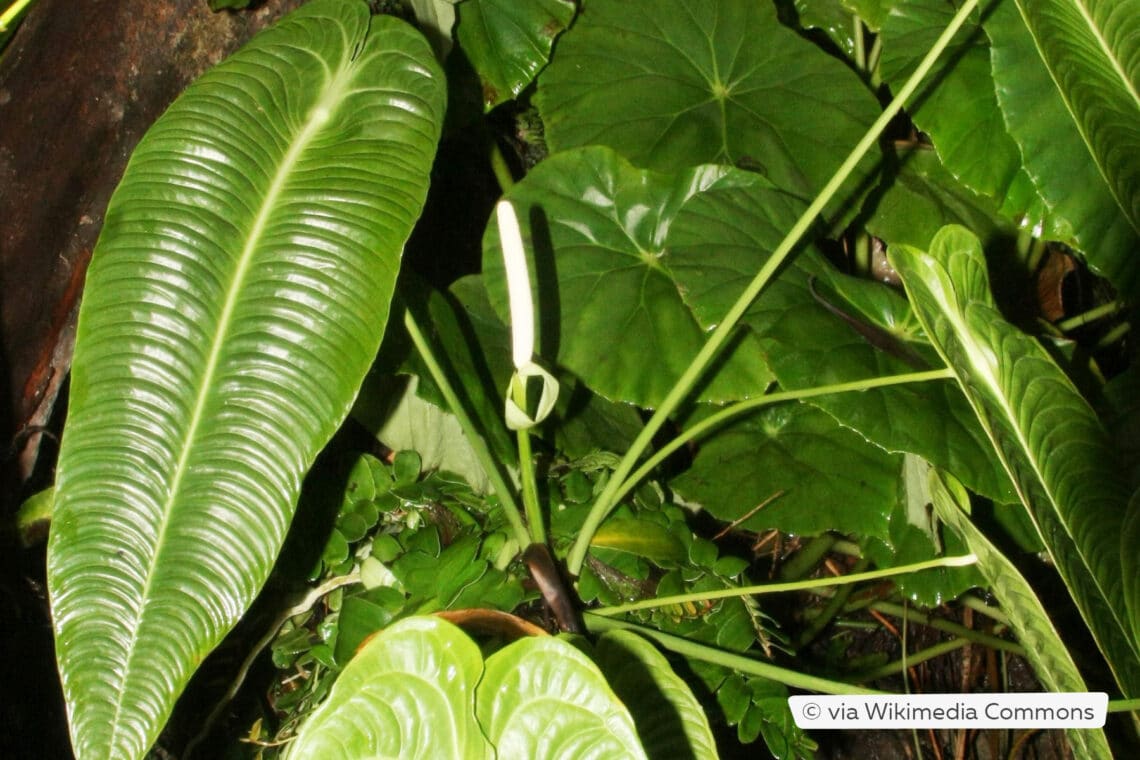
[977, 605]
[526, 471]
[778, 588]
[500, 169]
[1123, 705]
[948, 626]
[830, 610]
[474, 439]
[807, 557]
[724, 415]
[1104, 310]
[716, 340]
[862, 263]
[13, 12]
[860, 44]
[737, 662]
[898, 666]
[873, 62]
[1113, 335]
[850, 548]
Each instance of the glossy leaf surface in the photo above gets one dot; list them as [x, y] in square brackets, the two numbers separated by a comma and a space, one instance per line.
[508, 41]
[235, 300]
[705, 82]
[408, 692]
[1092, 51]
[667, 714]
[1077, 120]
[596, 231]
[958, 109]
[722, 236]
[542, 698]
[1045, 434]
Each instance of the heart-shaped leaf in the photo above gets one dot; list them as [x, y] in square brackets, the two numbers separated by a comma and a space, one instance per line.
[542, 698]
[235, 300]
[408, 692]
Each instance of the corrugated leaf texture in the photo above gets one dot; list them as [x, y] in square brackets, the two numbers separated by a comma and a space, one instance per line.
[236, 297]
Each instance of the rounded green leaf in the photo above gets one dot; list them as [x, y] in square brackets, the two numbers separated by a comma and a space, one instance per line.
[596, 231]
[234, 302]
[540, 698]
[407, 693]
[678, 83]
[509, 41]
[667, 715]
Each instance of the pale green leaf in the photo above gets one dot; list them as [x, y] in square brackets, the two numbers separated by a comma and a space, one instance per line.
[433, 433]
[639, 537]
[235, 300]
[436, 19]
[407, 693]
[540, 698]
[1045, 434]
[1052, 664]
[667, 715]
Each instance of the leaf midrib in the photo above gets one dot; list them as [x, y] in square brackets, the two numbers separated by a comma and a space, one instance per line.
[1078, 124]
[319, 115]
[960, 326]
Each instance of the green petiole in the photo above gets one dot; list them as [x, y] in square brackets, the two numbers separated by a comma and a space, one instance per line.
[606, 500]
[477, 442]
[779, 588]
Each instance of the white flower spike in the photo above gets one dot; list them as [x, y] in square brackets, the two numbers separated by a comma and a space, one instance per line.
[522, 326]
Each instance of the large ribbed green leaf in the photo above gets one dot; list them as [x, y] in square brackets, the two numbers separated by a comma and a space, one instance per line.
[408, 693]
[235, 300]
[1068, 81]
[1046, 435]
